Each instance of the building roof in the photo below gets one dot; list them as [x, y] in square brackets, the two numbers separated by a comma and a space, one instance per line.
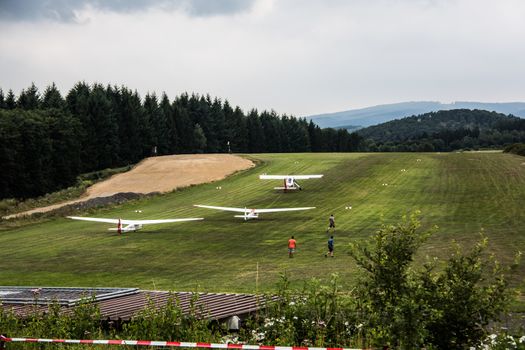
[124, 306]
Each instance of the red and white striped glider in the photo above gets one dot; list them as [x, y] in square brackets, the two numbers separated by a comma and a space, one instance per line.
[131, 225]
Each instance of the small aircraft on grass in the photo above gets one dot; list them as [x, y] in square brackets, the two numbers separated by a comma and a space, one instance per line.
[289, 180]
[251, 213]
[131, 225]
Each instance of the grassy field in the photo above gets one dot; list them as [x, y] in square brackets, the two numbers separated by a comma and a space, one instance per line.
[462, 193]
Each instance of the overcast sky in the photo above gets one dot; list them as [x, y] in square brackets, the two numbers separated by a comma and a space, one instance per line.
[297, 57]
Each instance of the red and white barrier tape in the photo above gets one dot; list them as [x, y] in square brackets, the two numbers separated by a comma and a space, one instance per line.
[164, 343]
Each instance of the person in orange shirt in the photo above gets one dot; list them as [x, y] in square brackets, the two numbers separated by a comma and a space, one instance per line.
[292, 243]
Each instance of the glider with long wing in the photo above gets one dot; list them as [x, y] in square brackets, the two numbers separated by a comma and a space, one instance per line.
[248, 213]
[290, 182]
[131, 225]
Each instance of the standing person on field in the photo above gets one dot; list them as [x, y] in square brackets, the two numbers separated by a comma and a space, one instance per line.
[292, 243]
[330, 247]
[331, 223]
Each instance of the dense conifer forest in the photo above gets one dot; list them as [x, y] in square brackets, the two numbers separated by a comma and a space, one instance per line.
[47, 140]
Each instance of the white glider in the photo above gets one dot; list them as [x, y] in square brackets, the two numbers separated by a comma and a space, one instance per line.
[290, 182]
[131, 225]
[251, 213]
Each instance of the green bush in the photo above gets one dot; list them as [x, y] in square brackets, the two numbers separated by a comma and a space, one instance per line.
[516, 148]
[169, 323]
[409, 308]
[316, 315]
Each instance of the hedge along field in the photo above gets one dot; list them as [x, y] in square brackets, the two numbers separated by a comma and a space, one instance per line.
[462, 193]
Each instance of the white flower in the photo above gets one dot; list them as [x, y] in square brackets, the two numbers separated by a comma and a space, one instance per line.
[268, 322]
[346, 323]
[522, 339]
[359, 326]
[493, 339]
[295, 318]
[291, 303]
[511, 340]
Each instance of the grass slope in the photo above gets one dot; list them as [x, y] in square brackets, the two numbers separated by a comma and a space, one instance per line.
[462, 193]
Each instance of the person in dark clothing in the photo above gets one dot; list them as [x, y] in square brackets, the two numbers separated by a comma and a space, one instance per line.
[331, 222]
[330, 247]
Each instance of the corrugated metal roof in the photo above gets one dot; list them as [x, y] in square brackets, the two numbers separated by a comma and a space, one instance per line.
[217, 306]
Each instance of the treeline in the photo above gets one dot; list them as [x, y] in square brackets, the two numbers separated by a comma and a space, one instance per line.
[46, 139]
[445, 131]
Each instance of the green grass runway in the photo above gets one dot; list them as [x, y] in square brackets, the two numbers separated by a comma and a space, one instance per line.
[462, 193]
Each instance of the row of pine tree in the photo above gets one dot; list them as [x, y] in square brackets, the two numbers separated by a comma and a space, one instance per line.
[47, 140]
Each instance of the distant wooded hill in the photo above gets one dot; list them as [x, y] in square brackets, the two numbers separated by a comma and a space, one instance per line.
[445, 131]
[364, 117]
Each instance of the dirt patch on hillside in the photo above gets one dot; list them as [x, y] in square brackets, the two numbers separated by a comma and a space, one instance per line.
[160, 174]
[164, 174]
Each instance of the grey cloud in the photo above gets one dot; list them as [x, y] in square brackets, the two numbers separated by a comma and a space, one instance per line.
[59, 10]
[224, 7]
[64, 10]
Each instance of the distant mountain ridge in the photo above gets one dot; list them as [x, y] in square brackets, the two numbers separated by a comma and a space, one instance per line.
[374, 115]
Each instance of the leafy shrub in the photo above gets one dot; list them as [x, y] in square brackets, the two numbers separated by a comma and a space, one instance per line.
[408, 309]
[516, 148]
[316, 315]
[170, 323]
